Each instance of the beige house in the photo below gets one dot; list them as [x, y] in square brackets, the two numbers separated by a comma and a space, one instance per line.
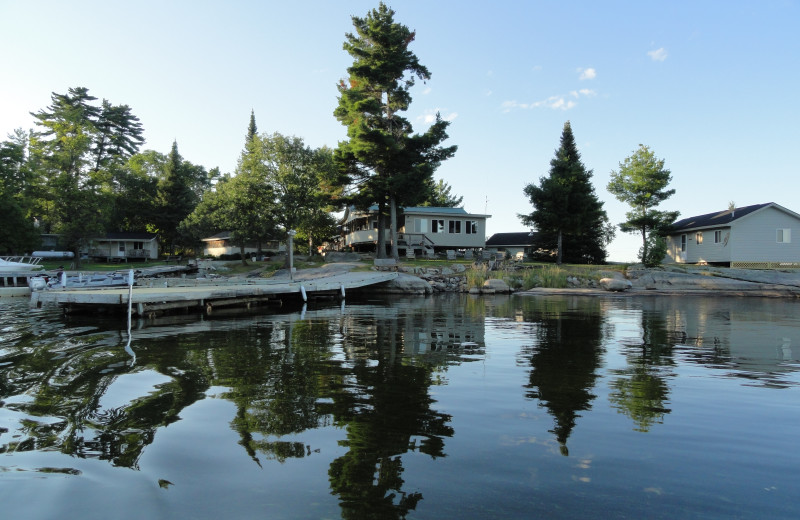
[420, 230]
[221, 244]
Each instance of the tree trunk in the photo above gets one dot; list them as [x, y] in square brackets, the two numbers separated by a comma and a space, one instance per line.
[241, 253]
[393, 227]
[558, 247]
[644, 244]
[380, 247]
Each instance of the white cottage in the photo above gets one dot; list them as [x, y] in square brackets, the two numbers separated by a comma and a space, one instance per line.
[124, 246]
[759, 236]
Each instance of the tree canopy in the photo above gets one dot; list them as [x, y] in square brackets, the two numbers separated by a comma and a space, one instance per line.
[383, 161]
[641, 182]
[567, 215]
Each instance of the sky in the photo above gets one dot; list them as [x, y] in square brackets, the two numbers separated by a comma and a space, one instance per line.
[710, 86]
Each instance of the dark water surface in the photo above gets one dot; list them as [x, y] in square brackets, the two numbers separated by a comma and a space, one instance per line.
[445, 407]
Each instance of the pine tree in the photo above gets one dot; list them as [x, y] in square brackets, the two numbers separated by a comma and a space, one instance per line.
[641, 182]
[567, 214]
[382, 157]
[176, 198]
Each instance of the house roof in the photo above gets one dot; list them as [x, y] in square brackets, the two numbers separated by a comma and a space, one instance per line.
[124, 235]
[718, 218]
[352, 213]
[222, 235]
[524, 238]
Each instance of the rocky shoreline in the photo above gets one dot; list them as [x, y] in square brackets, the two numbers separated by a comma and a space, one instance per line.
[635, 281]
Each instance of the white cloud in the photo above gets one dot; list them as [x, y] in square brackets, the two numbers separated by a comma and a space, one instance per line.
[658, 54]
[426, 91]
[589, 73]
[559, 102]
[430, 116]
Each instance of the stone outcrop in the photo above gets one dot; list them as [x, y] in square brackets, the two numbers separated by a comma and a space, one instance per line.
[615, 284]
[495, 285]
[407, 284]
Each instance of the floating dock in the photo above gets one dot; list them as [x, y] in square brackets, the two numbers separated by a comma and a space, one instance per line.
[205, 296]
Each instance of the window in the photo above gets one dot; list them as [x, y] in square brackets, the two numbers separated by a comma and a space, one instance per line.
[122, 247]
[420, 225]
[699, 238]
[374, 224]
[455, 226]
[717, 236]
[437, 226]
[784, 236]
[472, 227]
[138, 245]
[683, 243]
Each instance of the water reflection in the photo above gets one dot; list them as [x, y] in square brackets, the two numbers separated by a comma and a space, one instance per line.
[564, 356]
[640, 390]
[354, 390]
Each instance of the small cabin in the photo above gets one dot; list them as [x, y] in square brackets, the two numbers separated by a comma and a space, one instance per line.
[124, 247]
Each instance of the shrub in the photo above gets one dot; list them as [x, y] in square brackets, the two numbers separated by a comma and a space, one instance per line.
[476, 276]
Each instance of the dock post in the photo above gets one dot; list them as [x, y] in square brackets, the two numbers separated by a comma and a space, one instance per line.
[303, 293]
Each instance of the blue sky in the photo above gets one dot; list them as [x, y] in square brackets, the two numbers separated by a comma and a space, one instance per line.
[710, 86]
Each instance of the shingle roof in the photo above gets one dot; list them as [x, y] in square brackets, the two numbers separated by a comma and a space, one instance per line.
[716, 219]
[524, 238]
[124, 235]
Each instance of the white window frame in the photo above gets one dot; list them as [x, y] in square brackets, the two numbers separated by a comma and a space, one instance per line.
[698, 237]
[783, 235]
[683, 243]
[471, 227]
[454, 227]
[437, 225]
[718, 236]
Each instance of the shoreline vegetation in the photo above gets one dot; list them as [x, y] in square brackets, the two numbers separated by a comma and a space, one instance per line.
[423, 276]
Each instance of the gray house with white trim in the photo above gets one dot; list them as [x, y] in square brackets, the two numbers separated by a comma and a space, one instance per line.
[419, 229]
[757, 237]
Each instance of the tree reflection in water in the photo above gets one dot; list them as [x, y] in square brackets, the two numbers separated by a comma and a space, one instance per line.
[641, 391]
[564, 359]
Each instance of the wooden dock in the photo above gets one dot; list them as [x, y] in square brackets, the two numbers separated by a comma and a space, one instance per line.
[205, 296]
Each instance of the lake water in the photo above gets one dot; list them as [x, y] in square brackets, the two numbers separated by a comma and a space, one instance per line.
[441, 407]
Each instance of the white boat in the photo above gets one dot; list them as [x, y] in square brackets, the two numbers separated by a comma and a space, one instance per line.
[14, 264]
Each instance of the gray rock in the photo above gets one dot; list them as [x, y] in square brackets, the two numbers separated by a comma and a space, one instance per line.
[615, 284]
[495, 285]
[407, 284]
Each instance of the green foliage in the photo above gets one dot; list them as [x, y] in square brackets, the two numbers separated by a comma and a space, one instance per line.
[567, 214]
[641, 182]
[17, 232]
[439, 195]
[382, 160]
[176, 197]
[656, 251]
[477, 276]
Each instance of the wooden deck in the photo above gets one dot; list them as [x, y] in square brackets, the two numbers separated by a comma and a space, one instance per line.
[205, 296]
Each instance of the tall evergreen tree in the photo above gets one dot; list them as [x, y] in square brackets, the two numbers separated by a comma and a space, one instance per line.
[567, 213]
[176, 198]
[382, 158]
[252, 129]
